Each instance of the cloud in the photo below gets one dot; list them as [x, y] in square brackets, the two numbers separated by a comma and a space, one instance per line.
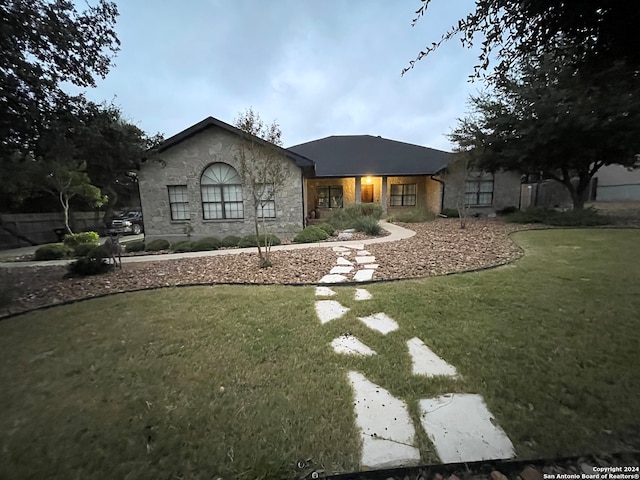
[318, 68]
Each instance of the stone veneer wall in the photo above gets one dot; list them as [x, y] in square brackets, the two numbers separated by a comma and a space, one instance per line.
[506, 193]
[183, 165]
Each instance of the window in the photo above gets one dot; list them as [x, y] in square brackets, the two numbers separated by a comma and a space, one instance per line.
[221, 189]
[179, 202]
[403, 195]
[266, 202]
[479, 191]
[330, 197]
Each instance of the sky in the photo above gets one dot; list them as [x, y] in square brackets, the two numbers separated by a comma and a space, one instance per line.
[316, 67]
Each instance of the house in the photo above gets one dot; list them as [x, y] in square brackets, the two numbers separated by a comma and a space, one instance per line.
[616, 183]
[192, 183]
[397, 175]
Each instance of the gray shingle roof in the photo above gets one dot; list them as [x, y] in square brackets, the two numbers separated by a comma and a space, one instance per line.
[360, 155]
[210, 122]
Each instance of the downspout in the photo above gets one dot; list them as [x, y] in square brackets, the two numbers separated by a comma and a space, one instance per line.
[304, 194]
[441, 182]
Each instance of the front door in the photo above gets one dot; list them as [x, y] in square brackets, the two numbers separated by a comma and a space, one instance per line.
[366, 194]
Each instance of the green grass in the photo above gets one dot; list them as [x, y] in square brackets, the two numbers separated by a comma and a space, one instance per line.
[551, 342]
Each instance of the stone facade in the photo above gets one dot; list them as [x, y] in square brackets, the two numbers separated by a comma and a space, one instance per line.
[506, 193]
[183, 164]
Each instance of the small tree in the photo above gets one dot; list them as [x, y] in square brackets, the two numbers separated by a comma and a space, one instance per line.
[458, 173]
[263, 173]
[66, 181]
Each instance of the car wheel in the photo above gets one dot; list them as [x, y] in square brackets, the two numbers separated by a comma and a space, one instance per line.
[137, 229]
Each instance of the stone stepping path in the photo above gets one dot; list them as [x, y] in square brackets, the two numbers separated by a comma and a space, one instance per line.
[460, 426]
[333, 278]
[363, 275]
[463, 430]
[361, 271]
[380, 322]
[363, 260]
[350, 345]
[328, 310]
[425, 362]
[386, 429]
[324, 292]
[341, 269]
[362, 294]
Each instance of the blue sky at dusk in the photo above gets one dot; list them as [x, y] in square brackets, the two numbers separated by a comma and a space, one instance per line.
[317, 67]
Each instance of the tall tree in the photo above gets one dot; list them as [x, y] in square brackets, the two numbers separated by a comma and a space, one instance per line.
[603, 32]
[43, 44]
[87, 152]
[263, 173]
[58, 167]
[552, 118]
[113, 149]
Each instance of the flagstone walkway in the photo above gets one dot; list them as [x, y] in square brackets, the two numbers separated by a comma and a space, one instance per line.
[460, 426]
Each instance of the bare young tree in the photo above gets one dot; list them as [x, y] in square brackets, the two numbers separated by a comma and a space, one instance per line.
[263, 171]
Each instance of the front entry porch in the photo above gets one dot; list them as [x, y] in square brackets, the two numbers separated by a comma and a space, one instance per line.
[325, 195]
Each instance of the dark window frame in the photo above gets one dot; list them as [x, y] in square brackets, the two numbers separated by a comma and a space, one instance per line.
[473, 188]
[270, 204]
[173, 194]
[405, 198]
[223, 202]
[330, 196]
[228, 179]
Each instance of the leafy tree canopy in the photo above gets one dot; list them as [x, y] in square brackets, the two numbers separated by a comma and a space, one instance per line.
[599, 31]
[44, 43]
[549, 117]
[93, 136]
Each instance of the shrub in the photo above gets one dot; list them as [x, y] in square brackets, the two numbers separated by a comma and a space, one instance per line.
[83, 249]
[135, 246]
[206, 243]
[157, 245]
[507, 210]
[347, 217]
[357, 210]
[231, 241]
[53, 251]
[92, 264]
[368, 225]
[450, 213]
[250, 240]
[415, 215]
[72, 240]
[183, 246]
[573, 218]
[311, 234]
[327, 227]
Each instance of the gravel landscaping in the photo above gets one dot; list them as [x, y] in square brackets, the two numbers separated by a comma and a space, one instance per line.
[438, 248]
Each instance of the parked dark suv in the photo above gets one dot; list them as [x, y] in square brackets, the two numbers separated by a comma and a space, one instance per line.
[128, 222]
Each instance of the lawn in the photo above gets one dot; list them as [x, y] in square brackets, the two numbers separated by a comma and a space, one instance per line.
[241, 382]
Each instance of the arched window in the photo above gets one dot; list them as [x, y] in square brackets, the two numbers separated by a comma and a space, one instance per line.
[221, 188]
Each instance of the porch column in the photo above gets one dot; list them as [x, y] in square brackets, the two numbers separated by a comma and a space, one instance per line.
[383, 197]
[358, 190]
